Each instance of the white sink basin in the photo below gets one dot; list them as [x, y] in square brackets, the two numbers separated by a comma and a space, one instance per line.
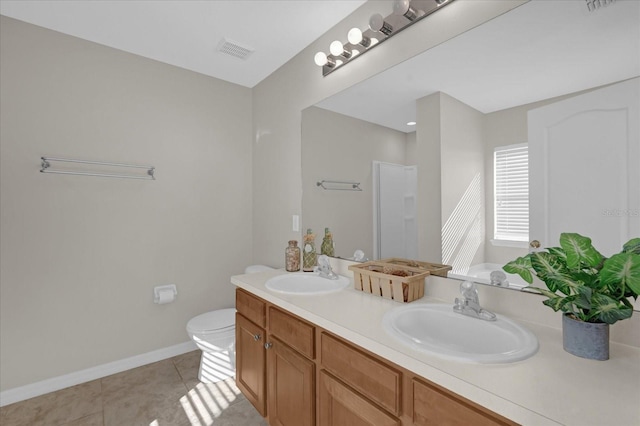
[436, 329]
[305, 283]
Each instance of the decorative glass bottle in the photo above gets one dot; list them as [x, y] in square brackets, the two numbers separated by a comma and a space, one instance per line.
[292, 257]
[327, 243]
[309, 255]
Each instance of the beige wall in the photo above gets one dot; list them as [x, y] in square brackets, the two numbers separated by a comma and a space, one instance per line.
[462, 183]
[427, 149]
[337, 147]
[449, 152]
[81, 255]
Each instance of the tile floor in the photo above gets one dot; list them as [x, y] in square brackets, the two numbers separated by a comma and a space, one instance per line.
[165, 393]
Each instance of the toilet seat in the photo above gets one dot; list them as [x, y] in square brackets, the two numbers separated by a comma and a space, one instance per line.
[214, 321]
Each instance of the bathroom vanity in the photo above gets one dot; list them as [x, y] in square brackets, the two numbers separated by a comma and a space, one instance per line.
[325, 360]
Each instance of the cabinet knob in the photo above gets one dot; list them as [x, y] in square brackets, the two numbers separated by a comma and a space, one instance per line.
[257, 337]
[268, 345]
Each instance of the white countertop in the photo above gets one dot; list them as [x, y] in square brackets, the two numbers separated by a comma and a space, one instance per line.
[552, 387]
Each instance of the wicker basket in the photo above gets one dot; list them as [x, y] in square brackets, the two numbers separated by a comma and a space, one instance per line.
[432, 268]
[399, 283]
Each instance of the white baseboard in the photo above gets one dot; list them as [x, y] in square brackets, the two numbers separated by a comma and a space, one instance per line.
[56, 383]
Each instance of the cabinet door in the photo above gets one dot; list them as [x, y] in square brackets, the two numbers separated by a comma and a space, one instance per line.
[250, 362]
[291, 386]
[339, 405]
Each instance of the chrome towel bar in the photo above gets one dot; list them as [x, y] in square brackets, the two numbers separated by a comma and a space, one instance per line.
[46, 164]
[338, 185]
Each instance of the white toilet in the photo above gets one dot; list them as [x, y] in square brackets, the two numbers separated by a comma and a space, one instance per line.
[215, 334]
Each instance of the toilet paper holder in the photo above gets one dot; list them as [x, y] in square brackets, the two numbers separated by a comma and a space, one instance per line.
[165, 294]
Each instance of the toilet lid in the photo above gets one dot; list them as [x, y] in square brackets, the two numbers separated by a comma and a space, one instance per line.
[214, 320]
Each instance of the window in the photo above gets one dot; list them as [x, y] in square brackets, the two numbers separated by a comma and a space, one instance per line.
[511, 193]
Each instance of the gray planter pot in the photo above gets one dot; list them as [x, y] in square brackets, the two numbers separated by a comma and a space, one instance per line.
[585, 339]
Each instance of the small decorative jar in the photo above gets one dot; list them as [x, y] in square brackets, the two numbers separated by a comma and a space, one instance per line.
[327, 243]
[309, 255]
[292, 256]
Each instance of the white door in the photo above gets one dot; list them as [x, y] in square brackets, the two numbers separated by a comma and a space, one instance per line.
[584, 167]
[394, 217]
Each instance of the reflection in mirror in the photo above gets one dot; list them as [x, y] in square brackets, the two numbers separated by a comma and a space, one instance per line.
[340, 148]
[468, 96]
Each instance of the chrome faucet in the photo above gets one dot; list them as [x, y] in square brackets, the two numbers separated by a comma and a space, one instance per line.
[324, 268]
[498, 278]
[469, 303]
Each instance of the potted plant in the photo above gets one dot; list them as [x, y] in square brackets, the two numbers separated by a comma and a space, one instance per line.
[593, 291]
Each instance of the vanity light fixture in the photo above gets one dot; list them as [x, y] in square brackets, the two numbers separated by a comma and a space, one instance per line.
[411, 123]
[380, 29]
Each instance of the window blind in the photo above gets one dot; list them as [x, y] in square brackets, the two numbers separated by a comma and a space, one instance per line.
[511, 183]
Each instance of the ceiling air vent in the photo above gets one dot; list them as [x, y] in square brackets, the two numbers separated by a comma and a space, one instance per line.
[597, 4]
[234, 49]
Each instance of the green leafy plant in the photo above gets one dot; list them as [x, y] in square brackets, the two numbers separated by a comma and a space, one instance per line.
[582, 281]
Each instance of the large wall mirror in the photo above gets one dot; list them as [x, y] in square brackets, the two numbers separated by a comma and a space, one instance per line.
[470, 97]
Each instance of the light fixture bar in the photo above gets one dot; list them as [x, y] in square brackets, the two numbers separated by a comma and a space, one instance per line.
[380, 29]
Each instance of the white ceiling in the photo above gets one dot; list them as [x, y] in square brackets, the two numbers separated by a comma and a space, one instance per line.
[539, 50]
[187, 33]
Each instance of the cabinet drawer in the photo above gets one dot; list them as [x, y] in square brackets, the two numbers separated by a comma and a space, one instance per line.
[377, 381]
[251, 307]
[433, 405]
[293, 331]
[339, 405]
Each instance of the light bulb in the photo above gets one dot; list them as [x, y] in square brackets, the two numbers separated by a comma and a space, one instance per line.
[377, 23]
[336, 48]
[320, 59]
[354, 36]
[400, 7]
[403, 8]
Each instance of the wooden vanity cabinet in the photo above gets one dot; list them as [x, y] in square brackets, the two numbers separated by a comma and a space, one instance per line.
[300, 375]
[274, 362]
